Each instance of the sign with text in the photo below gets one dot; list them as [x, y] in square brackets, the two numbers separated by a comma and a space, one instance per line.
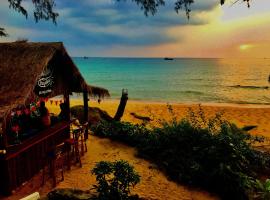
[45, 83]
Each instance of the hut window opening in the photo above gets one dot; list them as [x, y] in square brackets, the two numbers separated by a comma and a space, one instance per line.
[25, 121]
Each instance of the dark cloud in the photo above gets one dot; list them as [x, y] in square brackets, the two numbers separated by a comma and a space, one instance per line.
[105, 23]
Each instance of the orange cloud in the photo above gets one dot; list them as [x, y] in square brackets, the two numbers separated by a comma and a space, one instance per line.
[234, 31]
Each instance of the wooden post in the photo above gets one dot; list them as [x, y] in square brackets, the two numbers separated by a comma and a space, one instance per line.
[85, 111]
[122, 105]
[4, 132]
[66, 100]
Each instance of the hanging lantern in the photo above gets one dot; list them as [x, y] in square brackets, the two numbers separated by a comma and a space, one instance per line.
[19, 112]
[26, 111]
[15, 128]
[33, 108]
[12, 113]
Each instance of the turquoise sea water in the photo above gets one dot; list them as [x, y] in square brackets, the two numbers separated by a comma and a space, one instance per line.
[181, 80]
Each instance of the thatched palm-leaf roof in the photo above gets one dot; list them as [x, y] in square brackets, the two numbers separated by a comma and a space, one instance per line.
[21, 64]
[97, 91]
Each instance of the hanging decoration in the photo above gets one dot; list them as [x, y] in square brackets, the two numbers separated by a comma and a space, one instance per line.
[15, 128]
[19, 112]
[12, 113]
[33, 108]
[26, 111]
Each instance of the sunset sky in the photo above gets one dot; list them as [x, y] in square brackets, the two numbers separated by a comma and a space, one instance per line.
[107, 28]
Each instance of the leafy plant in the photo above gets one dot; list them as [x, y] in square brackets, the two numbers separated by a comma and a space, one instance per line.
[210, 153]
[114, 180]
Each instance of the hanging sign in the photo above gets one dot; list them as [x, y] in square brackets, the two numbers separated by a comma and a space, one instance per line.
[45, 83]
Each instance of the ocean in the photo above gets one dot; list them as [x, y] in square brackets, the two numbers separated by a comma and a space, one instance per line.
[183, 80]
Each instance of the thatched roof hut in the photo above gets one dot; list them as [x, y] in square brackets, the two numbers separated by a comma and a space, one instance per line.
[21, 65]
[29, 71]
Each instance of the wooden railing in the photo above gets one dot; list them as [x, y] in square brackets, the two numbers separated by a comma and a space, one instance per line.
[21, 162]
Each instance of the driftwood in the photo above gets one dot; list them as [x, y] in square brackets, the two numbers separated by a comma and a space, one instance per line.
[249, 127]
[144, 118]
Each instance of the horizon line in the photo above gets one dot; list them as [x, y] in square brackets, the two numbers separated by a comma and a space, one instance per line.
[167, 57]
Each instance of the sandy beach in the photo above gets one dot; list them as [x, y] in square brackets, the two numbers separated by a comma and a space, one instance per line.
[154, 184]
[240, 114]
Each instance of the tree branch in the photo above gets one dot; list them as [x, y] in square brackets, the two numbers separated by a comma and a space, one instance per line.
[151, 6]
[3, 32]
[148, 6]
[16, 5]
[44, 10]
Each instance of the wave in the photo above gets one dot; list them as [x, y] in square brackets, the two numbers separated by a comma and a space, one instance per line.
[194, 79]
[192, 92]
[248, 103]
[250, 87]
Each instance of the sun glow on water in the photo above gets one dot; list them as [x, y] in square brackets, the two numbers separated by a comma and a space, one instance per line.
[244, 47]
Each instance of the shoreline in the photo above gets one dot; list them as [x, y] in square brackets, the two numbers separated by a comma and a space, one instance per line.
[208, 104]
[239, 114]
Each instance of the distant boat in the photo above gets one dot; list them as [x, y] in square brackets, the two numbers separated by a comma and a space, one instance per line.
[85, 57]
[168, 58]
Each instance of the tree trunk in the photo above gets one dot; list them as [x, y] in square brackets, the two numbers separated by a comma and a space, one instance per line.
[122, 105]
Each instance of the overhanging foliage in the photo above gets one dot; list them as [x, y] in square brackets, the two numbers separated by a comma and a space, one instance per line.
[44, 9]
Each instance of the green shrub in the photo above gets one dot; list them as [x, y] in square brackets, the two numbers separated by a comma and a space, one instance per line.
[114, 180]
[263, 190]
[122, 131]
[213, 154]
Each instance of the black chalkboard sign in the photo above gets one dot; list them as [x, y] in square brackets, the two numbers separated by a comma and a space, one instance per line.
[45, 83]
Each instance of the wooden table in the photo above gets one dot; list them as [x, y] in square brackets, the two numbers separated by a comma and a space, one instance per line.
[23, 161]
